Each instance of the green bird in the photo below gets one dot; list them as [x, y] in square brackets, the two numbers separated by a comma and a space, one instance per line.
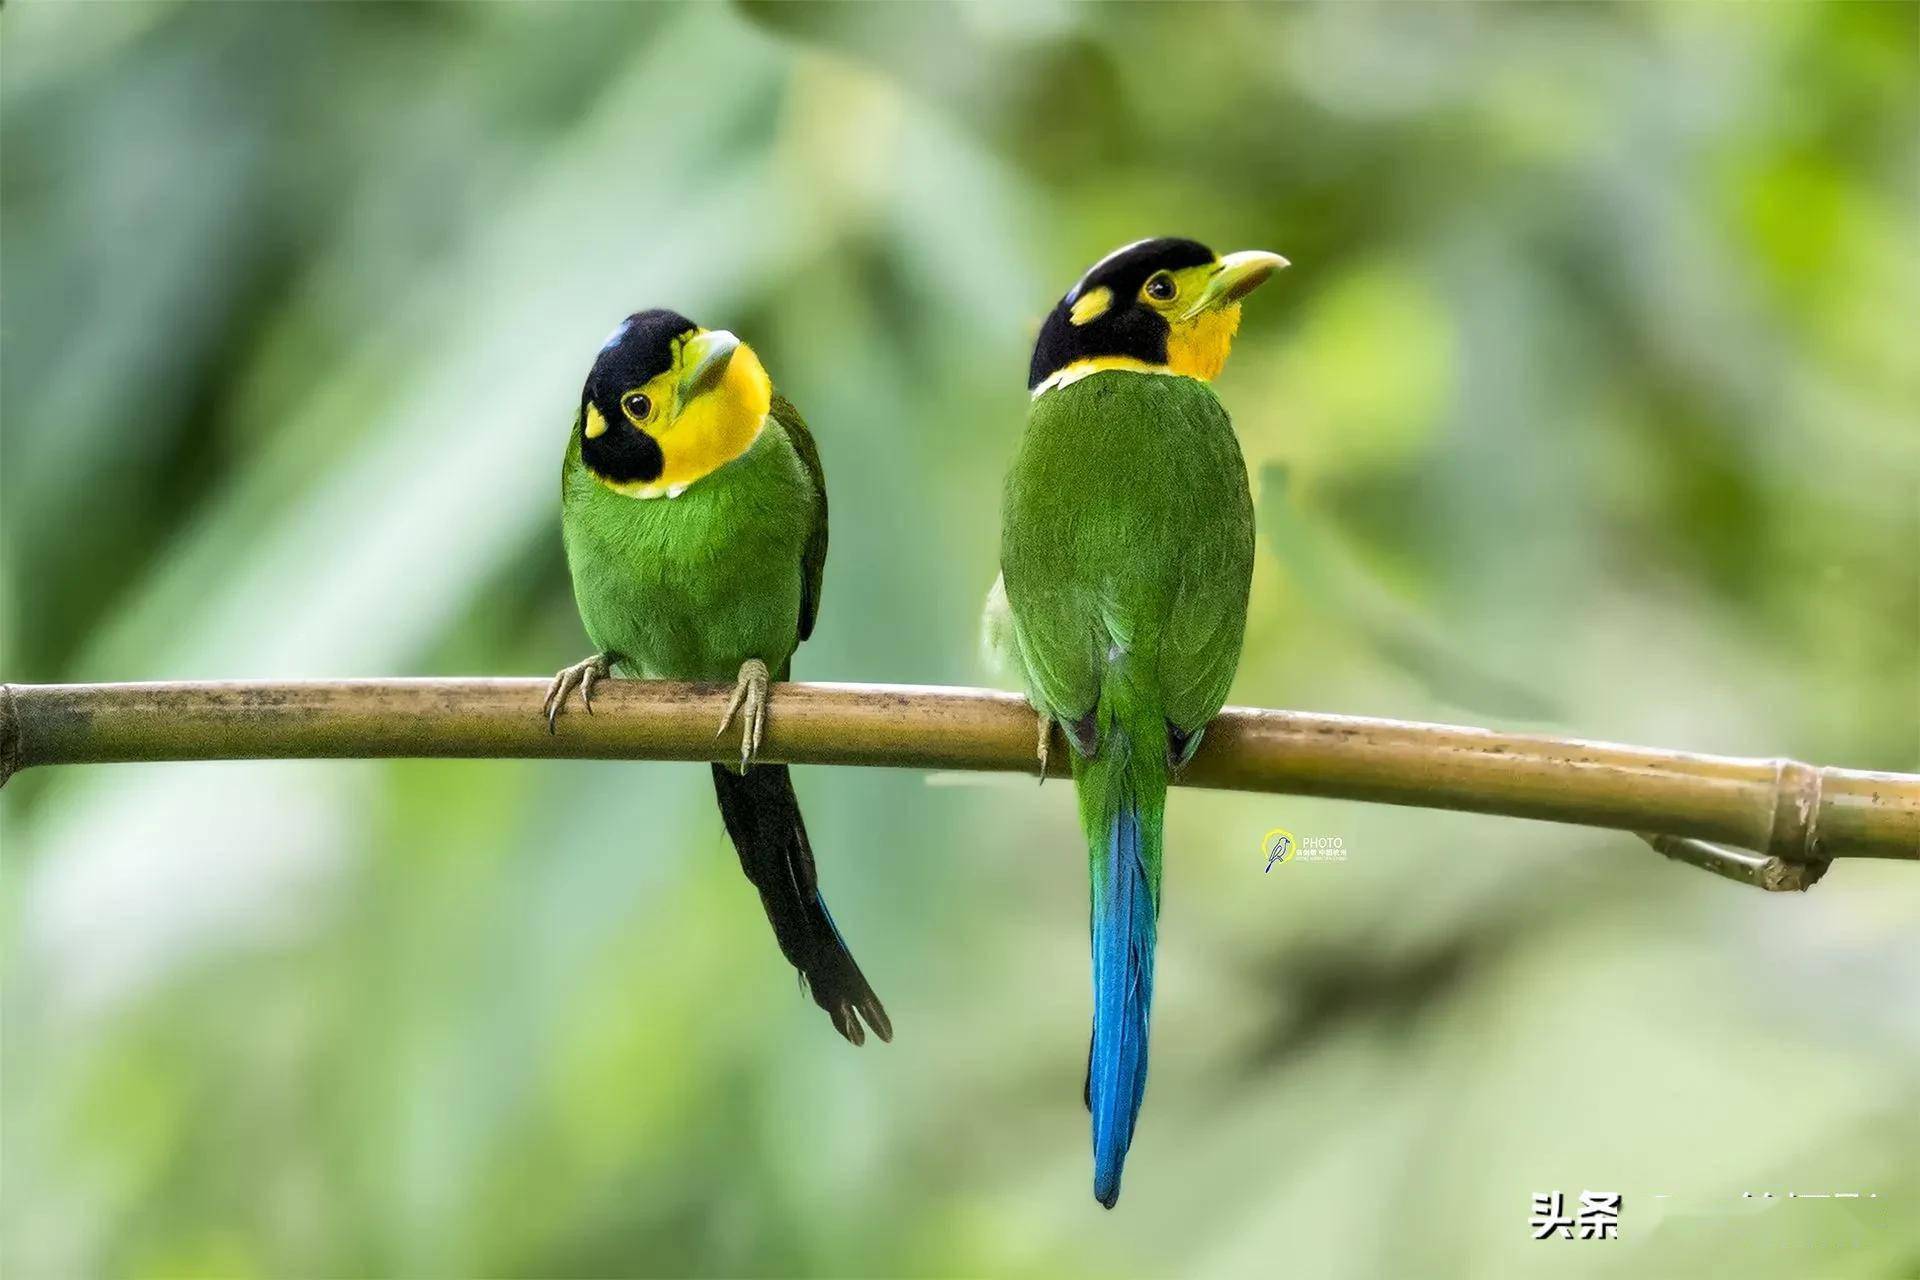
[1126, 554]
[694, 511]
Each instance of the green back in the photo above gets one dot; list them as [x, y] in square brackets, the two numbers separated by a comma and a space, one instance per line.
[1129, 526]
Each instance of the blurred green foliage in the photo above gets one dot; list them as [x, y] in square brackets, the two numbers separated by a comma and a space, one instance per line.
[1591, 398]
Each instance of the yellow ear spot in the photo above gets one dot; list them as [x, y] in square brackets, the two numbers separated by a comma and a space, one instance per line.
[1091, 305]
[596, 424]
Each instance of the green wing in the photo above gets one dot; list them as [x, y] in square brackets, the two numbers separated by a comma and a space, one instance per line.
[1203, 632]
[813, 558]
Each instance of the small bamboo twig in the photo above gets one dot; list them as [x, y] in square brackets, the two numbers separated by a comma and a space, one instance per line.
[1774, 874]
[1793, 816]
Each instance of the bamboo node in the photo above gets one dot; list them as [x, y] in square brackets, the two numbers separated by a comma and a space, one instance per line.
[9, 735]
[1795, 834]
[1784, 876]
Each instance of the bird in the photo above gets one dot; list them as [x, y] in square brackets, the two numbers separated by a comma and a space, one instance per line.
[694, 515]
[1126, 557]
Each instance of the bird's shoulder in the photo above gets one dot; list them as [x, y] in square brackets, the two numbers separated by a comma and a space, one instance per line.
[787, 420]
[813, 556]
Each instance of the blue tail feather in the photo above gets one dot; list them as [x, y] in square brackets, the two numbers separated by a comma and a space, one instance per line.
[1123, 940]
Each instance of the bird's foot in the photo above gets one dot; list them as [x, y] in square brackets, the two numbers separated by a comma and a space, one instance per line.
[582, 675]
[749, 702]
[1045, 741]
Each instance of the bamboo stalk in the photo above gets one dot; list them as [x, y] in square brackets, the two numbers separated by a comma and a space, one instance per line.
[1783, 810]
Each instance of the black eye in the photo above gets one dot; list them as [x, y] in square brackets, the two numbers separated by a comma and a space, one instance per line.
[1162, 288]
[637, 405]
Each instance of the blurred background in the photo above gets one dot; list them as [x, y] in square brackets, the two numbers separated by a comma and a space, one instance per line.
[1588, 406]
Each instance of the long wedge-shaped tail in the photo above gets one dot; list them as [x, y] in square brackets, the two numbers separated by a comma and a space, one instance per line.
[1123, 791]
[763, 818]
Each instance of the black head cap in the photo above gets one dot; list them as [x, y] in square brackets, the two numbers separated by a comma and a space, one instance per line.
[1127, 327]
[637, 352]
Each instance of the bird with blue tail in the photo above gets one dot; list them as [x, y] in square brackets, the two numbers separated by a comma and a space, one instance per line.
[1126, 556]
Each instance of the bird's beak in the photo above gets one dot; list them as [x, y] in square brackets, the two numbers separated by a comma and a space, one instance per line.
[705, 359]
[1238, 275]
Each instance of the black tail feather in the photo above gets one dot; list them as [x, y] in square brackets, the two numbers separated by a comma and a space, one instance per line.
[763, 817]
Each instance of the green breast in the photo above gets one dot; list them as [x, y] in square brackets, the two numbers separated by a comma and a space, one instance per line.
[690, 587]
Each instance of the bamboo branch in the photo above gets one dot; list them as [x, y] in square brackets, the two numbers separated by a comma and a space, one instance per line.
[1776, 875]
[1793, 816]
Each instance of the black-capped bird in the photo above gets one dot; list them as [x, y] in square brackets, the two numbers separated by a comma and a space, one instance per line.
[1126, 553]
[694, 511]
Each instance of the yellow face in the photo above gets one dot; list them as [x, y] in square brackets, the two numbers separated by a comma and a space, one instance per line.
[1199, 332]
[704, 411]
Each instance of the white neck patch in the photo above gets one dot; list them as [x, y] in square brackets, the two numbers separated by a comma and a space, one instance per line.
[1070, 374]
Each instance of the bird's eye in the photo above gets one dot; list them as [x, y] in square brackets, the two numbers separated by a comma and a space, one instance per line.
[1162, 288]
[637, 405]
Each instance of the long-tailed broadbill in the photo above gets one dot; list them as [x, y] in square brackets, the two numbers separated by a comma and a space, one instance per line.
[694, 512]
[1126, 555]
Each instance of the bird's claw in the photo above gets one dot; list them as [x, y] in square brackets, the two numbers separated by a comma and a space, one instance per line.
[581, 675]
[749, 702]
[1045, 741]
